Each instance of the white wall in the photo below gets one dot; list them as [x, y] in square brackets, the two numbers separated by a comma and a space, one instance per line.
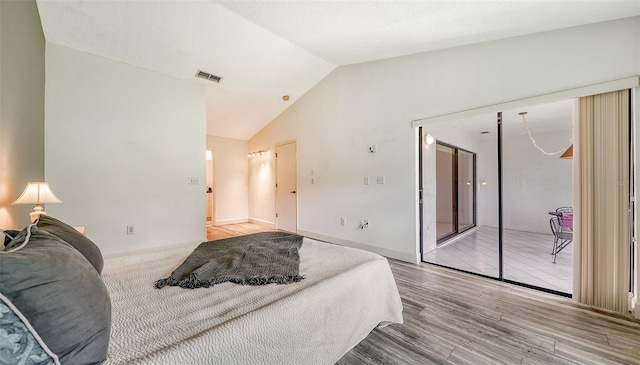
[121, 143]
[375, 102]
[230, 179]
[22, 80]
[533, 183]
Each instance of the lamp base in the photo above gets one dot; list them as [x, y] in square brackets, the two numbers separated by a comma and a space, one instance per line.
[37, 210]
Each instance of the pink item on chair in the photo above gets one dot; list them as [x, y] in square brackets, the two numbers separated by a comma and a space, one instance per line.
[567, 221]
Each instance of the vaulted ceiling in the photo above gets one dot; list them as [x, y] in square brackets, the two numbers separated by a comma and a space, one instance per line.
[266, 49]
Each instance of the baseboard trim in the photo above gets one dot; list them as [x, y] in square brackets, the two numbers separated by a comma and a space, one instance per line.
[398, 255]
[154, 249]
[230, 221]
[260, 222]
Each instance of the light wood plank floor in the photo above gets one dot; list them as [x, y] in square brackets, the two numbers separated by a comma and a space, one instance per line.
[456, 318]
[233, 230]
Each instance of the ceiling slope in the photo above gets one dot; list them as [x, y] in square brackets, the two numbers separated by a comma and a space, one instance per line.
[179, 37]
[266, 49]
[347, 32]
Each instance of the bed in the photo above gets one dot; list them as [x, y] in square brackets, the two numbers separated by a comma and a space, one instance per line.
[346, 293]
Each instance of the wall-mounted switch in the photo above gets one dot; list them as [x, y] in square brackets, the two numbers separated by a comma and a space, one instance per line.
[193, 181]
[313, 181]
[343, 221]
[131, 230]
[380, 179]
[366, 180]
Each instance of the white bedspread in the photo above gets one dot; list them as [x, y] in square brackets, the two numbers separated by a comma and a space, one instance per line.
[346, 293]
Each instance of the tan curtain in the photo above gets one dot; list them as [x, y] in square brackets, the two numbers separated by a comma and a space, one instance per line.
[601, 200]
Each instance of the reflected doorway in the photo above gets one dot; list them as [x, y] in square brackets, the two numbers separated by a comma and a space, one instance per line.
[455, 191]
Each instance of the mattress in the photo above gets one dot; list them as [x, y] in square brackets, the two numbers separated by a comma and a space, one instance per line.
[346, 293]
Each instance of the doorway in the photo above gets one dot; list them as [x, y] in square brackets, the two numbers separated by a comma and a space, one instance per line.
[210, 195]
[455, 191]
[286, 187]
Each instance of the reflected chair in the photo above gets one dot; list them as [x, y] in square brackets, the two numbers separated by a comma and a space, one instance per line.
[562, 229]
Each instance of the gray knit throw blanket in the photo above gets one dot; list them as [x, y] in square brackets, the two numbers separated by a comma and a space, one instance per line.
[254, 259]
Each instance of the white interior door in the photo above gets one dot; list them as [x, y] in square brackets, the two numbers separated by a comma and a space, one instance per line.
[286, 188]
[209, 187]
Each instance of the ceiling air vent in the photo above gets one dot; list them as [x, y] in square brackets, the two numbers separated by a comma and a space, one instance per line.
[208, 76]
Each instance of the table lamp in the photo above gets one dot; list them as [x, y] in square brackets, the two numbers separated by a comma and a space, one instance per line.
[37, 193]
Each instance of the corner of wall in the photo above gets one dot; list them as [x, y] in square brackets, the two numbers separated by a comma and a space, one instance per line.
[22, 83]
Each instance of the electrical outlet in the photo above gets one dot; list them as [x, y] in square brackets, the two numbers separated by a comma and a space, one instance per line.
[193, 181]
[131, 230]
[343, 221]
[380, 180]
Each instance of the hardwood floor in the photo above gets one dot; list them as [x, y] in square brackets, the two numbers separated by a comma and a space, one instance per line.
[232, 230]
[456, 318]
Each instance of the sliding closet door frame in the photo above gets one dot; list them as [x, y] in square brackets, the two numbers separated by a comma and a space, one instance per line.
[588, 90]
[420, 199]
[500, 228]
[632, 195]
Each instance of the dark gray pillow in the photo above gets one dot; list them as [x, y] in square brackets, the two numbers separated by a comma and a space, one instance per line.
[19, 344]
[60, 294]
[76, 239]
[9, 235]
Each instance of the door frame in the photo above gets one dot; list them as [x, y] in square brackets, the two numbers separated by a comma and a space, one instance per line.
[275, 184]
[455, 191]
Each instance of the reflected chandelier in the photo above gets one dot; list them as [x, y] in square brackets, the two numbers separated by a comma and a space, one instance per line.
[526, 126]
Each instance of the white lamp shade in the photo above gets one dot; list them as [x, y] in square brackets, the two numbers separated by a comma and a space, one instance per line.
[37, 193]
